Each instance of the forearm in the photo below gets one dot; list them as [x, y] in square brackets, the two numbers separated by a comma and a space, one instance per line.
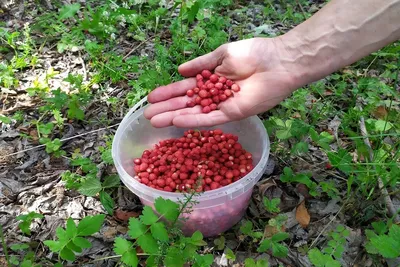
[338, 35]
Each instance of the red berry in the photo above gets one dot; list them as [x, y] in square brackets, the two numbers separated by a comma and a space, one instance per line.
[206, 74]
[222, 97]
[219, 85]
[206, 109]
[137, 161]
[235, 87]
[204, 102]
[228, 92]
[203, 93]
[190, 103]
[229, 83]
[222, 79]
[190, 93]
[196, 90]
[214, 78]
[199, 77]
[213, 106]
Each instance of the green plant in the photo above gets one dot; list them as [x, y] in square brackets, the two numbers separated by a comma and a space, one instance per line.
[27, 219]
[384, 240]
[274, 242]
[332, 253]
[160, 239]
[71, 239]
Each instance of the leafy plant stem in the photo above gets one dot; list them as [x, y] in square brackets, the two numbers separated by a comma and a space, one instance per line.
[3, 242]
[388, 201]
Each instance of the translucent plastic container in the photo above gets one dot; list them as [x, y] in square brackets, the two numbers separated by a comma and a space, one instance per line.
[217, 210]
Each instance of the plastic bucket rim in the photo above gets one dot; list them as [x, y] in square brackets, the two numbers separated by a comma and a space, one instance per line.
[208, 195]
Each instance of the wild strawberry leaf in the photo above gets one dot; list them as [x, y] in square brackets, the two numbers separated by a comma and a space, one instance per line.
[159, 232]
[71, 229]
[107, 202]
[90, 187]
[148, 216]
[203, 260]
[69, 11]
[128, 254]
[90, 224]
[67, 254]
[136, 228]
[148, 243]
[174, 258]
[167, 208]
[82, 242]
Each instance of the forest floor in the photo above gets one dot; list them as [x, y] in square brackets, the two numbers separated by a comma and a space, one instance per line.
[69, 72]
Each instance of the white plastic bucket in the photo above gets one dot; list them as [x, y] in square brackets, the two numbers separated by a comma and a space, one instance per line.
[217, 210]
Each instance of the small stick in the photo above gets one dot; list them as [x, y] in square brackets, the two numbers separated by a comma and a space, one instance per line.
[388, 201]
[63, 140]
[133, 49]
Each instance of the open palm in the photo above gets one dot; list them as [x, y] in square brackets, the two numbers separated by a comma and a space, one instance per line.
[253, 64]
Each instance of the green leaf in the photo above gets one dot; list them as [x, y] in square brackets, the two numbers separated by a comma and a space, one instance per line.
[128, 254]
[174, 258]
[279, 250]
[382, 126]
[220, 242]
[136, 228]
[16, 247]
[197, 239]
[279, 237]
[316, 257]
[74, 247]
[54, 246]
[341, 160]
[82, 242]
[247, 228]
[203, 260]
[230, 255]
[69, 11]
[27, 263]
[90, 224]
[193, 11]
[107, 202]
[151, 261]
[148, 216]
[148, 243]
[71, 229]
[272, 205]
[14, 260]
[74, 112]
[167, 208]
[388, 247]
[159, 232]
[301, 147]
[249, 262]
[111, 181]
[90, 187]
[5, 119]
[264, 245]
[67, 254]
[394, 232]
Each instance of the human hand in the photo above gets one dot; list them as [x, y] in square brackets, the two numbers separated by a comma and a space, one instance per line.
[254, 64]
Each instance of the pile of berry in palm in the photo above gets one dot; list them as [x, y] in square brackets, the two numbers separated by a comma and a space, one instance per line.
[210, 91]
[199, 160]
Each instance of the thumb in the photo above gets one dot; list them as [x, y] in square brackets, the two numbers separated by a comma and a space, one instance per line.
[206, 62]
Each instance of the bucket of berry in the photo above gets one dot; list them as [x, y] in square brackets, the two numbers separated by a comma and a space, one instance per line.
[221, 164]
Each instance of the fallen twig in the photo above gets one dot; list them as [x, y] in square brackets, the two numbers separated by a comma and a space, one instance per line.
[63, 140]
[134, 49]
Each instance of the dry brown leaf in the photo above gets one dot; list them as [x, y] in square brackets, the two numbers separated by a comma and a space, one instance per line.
[124, 216]
[302, 215]
[271, 230]
[380, 112]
